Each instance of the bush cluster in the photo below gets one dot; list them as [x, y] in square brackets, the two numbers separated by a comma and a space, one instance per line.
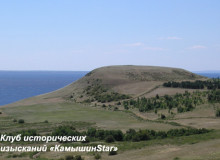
[183, 102]
[100, 94]
[209, 84]
[117, 135]
[217, 114]
[214, 96]
[143, 135]
[70, 157]
[131, 135]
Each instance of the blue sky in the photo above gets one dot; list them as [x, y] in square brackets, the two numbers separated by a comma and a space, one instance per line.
[84, 35]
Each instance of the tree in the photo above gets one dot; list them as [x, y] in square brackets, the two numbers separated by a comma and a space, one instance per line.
[20, 121]
[162, 116]
[109, 139]
[111, 153]
[78, 157]
[69, 157]
[97, 156]
[217, 114]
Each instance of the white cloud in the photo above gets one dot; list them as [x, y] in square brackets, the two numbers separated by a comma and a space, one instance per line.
[198, 47]
[170, 38]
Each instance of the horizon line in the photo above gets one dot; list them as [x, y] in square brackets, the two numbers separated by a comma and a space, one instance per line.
[204, 71]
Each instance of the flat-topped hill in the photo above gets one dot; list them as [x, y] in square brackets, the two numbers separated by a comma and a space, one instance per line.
[117, 82]
[106, 91]
[141, 73]
[129, 80]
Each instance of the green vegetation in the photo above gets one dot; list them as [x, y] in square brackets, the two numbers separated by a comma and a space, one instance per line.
[163, 116]
[209, 84]
[158, 129]
[109, 139]
[101, 94]
[111, 153]
[214, 96]
[70, 157]
[78, 115]
[97, 156]
[20, 121]
[110, 136]
[65, 131]
[131, 135]
[217, 114]
[183, 102]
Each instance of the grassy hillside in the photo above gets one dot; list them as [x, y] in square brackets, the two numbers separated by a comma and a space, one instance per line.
[116, 81]
[98, 100]
[128, 80]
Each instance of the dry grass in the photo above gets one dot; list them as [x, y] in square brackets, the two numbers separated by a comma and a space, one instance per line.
[103, 118]
[209, 123]
[202, 111]
[209, 150]
[133, 80]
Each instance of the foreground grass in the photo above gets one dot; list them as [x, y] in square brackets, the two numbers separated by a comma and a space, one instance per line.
[103, 118]
[204, 146]
[192, 139]
[81, 117]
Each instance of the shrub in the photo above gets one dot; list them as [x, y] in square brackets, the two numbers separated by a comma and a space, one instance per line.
[136, 138]
[65, 131]
[14, 120]
[20, 121]
[91, 132]
[46, 121]
[29, 132]
[162, 116]
[86, 141]
[111, 153]
[69, 157]
[109, 139]
[97, 156]
[217, 114]
[15, 156]
[78, 157]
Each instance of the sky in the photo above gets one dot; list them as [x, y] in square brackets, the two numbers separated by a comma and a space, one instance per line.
[86, 34]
